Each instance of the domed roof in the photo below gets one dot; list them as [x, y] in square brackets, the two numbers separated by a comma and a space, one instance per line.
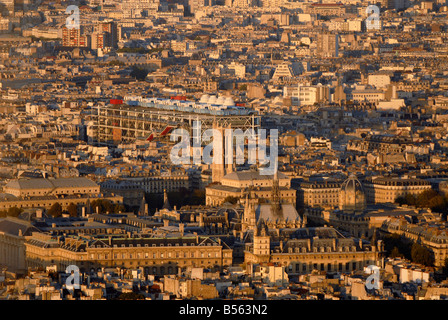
[352, 197]
[204, 98]
[229, 102]
[212, 99]
[352, 184]
[220, 100]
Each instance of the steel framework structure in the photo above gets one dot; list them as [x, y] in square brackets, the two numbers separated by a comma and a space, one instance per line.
[114, 124]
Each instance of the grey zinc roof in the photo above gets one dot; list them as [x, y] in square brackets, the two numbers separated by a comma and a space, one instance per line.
[264, 211]
[41, 183]
[251, 175]
[7, 197]
[12, 226]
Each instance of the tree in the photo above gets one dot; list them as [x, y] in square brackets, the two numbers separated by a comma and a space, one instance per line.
[400, 200]
[198, 197]
[424, 198]
[421, 255]
[396, 241]
[103, 206]
[411, 199]
[72, 209]
[118, 208]
[139, 73]
[14, 212]
[230, 199]
[427, 199]
[445, 268]
[395, 253]
[55, 210]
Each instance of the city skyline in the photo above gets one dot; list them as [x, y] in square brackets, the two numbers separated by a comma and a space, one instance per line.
[223, 150]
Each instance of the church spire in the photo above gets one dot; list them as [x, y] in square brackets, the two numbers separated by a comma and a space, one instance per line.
[166, 203]
[275, 196]
[144, 207]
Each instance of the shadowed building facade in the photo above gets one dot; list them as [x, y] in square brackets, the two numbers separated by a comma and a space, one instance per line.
[12, 243]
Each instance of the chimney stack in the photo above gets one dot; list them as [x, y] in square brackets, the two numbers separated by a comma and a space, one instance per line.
[181, 228]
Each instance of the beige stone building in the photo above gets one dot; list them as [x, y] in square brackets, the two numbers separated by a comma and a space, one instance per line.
[431, 234]
[185, 288]
[323, 194]
[388, 189]
[234, 185]
[39, 187]
[352, 214]
[157, 256]
[12, 243]
[308, 249]
[47, 201]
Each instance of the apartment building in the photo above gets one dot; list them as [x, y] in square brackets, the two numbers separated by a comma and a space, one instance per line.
[388, 189]
[318, 193]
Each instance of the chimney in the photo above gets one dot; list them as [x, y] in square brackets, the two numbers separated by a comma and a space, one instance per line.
[39, 213]
[181, 228]
[201, 219]
[83, 212]
[380, 245]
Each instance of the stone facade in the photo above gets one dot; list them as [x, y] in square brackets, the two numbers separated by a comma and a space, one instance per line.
[157, 256]
[313, 249]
